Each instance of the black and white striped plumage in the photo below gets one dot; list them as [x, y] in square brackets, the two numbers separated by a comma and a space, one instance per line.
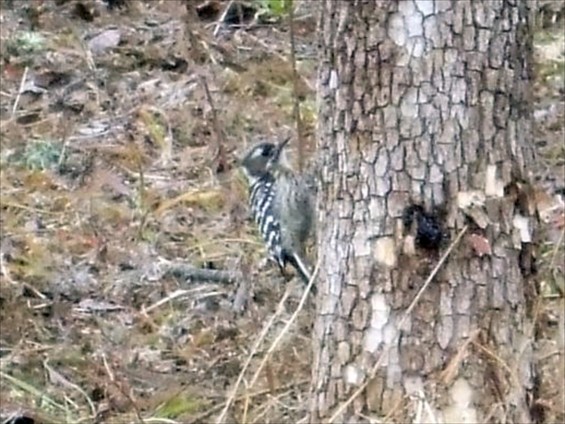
[261, 201]
[280, 206]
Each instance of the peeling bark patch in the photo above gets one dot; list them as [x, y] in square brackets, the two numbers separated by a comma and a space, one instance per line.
[461, 409]
[413, 385]
[352, 375]
[380, 314]
[426, 7]
[444, 331]
[494, 187]
[397, 30]
[522, 224]
[343, 352]
[334, 80]
[360, 243]
[406, 27]
[385, 251]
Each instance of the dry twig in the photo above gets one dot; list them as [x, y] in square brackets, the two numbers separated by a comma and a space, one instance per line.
[60, 379]
[287, 325]
[220, 151]
[254, 349]
[222, 18]
[117, 385]
[245, 397]
[296, 101]
[275, 342]
[20, 91]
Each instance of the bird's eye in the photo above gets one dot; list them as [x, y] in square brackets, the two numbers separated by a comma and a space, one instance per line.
[266, 152]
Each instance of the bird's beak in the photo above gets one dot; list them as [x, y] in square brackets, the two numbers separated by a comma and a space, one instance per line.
[277, 155]
[280, 148]
[284, 143]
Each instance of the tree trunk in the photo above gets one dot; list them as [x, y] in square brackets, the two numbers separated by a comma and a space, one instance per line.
[425, 103]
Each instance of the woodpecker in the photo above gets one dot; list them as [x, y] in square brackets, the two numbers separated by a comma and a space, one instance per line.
[281, 204]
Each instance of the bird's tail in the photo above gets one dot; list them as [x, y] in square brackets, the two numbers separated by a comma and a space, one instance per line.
[302, 268]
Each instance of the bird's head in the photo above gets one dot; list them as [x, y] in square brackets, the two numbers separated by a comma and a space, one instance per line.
[263, 158]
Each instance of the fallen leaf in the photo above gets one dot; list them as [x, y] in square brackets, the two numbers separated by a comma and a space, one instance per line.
[13, 72]
[105, 40]
[480, 245]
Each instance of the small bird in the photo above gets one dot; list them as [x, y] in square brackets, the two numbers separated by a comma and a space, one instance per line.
[281, 204]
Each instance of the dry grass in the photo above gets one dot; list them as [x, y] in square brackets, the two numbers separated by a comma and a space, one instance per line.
[111, 167]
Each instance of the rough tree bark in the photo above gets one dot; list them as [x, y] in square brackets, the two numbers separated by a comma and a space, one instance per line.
[425, 102]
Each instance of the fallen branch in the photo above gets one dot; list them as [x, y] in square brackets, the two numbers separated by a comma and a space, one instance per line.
[189, 272]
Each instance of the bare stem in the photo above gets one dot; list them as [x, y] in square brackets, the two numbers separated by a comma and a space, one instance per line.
[296, 100]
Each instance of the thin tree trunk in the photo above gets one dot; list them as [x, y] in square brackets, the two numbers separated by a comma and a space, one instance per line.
[425, 103]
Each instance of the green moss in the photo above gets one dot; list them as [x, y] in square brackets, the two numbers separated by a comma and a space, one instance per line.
[180, 404]
[38, 155]
[25, 42]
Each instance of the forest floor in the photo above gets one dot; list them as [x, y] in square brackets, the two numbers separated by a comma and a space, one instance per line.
[120, 133]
